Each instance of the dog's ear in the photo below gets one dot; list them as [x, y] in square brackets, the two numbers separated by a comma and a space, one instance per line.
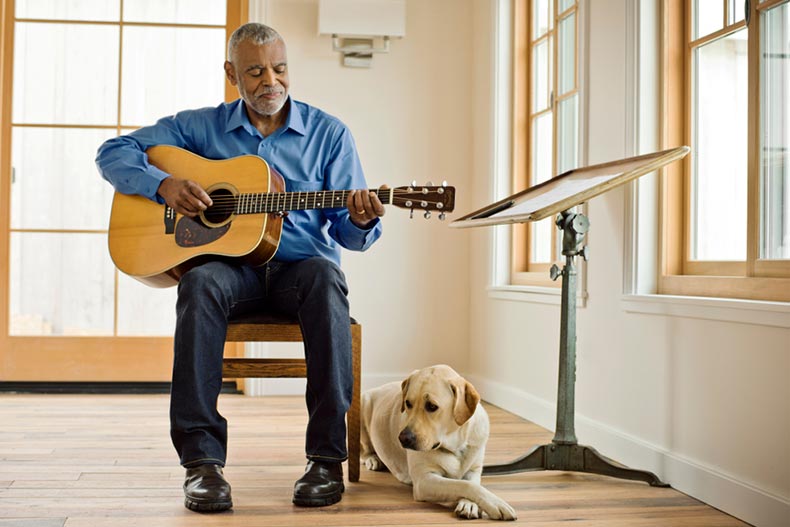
[404, 387]
[466, 399]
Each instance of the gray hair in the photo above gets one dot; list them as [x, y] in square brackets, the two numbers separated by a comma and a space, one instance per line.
[258, 33]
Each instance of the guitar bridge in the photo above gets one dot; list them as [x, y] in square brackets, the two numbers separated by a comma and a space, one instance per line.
[170, 220]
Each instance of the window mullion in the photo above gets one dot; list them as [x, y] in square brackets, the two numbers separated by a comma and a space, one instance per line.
[555, 83]
[753, 144]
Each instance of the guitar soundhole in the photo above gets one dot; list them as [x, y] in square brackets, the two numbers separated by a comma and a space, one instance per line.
[223, 207]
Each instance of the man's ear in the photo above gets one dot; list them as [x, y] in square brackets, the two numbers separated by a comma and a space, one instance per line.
[466, 399]
[404, 387]
[230, 73]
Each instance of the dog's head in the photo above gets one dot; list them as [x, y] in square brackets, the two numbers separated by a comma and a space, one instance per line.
[437, 402]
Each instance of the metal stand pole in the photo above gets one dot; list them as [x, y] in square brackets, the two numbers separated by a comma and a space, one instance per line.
[564, 452]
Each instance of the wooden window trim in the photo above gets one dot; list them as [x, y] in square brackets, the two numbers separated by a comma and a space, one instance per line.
[6, 86]
[753, 279]
[522, 271]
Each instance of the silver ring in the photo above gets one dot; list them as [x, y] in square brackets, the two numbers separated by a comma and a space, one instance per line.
[361, 211]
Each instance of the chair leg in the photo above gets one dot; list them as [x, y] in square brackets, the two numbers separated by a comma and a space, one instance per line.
[354, 415]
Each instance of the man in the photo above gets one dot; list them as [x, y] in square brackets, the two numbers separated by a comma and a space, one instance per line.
[312, 151]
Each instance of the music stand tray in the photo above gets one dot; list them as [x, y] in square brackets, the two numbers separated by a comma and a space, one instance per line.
[558, 196]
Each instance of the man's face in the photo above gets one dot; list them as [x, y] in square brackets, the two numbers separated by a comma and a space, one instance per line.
[260, 72]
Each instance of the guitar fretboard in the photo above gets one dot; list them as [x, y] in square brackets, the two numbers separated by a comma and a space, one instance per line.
[283, 201]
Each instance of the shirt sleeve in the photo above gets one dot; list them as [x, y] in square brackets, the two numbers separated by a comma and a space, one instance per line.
[123, 162]
[344, 172]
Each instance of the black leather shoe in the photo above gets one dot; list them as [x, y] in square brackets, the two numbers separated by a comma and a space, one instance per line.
[321, 484]
[206, 489]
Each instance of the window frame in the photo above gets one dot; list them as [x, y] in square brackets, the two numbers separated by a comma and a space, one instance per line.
[523, 272]
[754, 278]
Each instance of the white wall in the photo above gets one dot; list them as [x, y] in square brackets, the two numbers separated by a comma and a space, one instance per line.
[409, 114]
[703, 402]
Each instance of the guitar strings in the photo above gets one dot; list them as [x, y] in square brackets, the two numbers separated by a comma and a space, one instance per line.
[231, 207]
[229, 204]
[268, 195]
[307, 192]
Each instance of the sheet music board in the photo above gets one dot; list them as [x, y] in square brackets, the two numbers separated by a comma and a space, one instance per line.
[568, 190]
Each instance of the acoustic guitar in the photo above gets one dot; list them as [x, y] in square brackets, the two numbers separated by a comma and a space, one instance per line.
[150, 242]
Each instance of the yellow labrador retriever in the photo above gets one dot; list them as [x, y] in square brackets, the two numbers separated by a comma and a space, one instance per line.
[430, 432]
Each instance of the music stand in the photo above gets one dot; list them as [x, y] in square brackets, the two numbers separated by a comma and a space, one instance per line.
[558, 196]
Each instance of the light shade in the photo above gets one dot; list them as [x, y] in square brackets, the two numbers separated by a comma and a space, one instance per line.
[362, 18]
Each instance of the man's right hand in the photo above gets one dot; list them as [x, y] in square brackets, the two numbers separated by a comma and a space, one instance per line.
[184, 196]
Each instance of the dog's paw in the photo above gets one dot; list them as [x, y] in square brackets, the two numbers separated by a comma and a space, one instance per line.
[499, 509]
[374, 463]
[468, 510]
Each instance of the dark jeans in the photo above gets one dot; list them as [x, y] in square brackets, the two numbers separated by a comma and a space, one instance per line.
[315, 291]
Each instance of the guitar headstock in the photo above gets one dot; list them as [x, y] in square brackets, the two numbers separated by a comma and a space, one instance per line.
[425, 198]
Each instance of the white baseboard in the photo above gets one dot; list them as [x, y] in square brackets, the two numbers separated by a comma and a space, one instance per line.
[269, 387]
[707, 484]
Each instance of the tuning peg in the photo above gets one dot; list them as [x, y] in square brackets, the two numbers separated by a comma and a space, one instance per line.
[442, 215]
[411, 214]
[427, 214]
[429, 184]
[444, 183]
[413, 182]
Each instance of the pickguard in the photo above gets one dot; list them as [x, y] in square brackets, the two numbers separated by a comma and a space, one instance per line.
[191, 233]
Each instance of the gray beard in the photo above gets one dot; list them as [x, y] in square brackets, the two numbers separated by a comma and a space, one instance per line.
[267, 111]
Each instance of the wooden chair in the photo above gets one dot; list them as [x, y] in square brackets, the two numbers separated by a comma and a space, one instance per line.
[267, 327]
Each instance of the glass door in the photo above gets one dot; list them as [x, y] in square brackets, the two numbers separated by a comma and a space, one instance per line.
[75, 74]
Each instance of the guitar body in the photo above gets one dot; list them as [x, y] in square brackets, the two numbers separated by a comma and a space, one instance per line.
[143, 246]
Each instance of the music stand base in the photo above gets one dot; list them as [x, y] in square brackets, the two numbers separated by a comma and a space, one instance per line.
[572, 458]
[564, 452]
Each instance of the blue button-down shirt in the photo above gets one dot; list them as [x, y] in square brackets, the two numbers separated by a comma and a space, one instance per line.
[312, 151]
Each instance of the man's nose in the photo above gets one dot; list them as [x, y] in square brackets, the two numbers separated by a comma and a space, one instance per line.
[269, 77]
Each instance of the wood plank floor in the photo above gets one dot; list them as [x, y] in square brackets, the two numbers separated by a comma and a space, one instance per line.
[106, 460]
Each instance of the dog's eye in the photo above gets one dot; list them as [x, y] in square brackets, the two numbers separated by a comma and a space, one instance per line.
[408, 405]
[430, 407]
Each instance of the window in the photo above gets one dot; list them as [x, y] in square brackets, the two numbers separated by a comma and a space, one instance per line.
[546, 126]
[73, 75]
[726, 209]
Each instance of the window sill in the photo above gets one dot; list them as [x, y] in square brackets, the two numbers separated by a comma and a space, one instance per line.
[532, 294]
[755, 312]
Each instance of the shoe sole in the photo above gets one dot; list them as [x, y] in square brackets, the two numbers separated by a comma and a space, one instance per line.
[207, 506]
[319, 501]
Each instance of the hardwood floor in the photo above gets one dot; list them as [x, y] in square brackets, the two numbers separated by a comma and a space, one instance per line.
[106, 460]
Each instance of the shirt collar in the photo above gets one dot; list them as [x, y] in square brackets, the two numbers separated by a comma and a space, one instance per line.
[295, 121]
[238, 118]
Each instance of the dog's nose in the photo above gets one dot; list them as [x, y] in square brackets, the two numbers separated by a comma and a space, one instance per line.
[407, 439]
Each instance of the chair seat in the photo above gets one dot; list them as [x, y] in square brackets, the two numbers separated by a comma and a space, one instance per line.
[265, 327]
[275, 327]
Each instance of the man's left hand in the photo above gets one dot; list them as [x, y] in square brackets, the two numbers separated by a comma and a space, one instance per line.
[364, 206]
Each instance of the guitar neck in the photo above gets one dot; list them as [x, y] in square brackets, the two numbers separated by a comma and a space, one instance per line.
[265, 202]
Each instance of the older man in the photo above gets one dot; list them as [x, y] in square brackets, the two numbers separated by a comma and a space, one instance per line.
[312, 151]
